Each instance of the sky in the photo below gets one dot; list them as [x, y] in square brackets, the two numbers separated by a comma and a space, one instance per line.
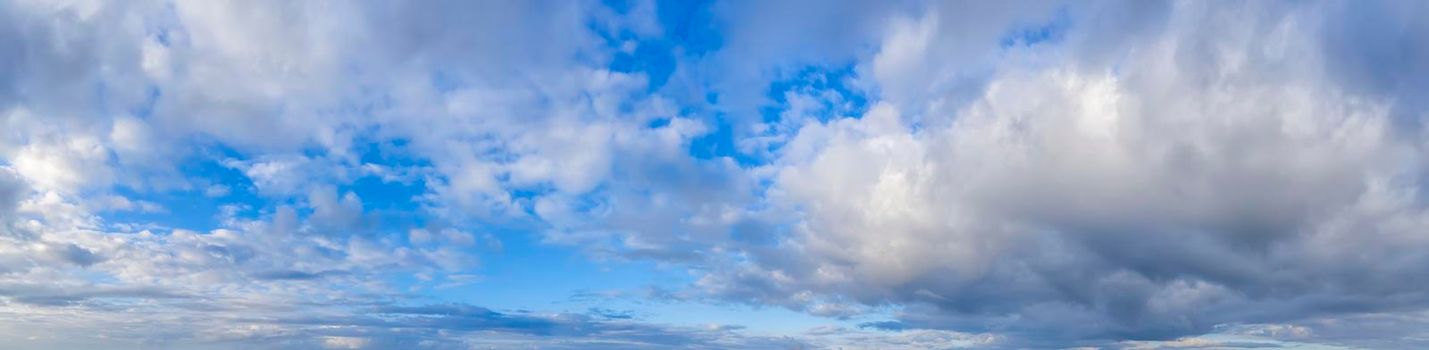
[792, 174]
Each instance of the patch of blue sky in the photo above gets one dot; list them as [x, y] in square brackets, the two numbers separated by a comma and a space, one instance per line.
[1050, 31]
[619, 6]
[181, 210]
[654, 58]
[658, 123]
[690, 24]
[399, 182]
[824, 93]
[393, 206]
[832, 86]
[528, 194]
[529, 274]
[719, 142]
[687, 30]
[196, 208]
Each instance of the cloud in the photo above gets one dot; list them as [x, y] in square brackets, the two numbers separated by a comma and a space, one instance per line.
[117, 104]
[12, 190]
[345, 342]
[1019, 174]
[1213, 174]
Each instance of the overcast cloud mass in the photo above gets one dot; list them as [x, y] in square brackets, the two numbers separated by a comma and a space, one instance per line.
[714, 175]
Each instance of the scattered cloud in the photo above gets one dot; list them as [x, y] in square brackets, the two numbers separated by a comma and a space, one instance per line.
[914, 174]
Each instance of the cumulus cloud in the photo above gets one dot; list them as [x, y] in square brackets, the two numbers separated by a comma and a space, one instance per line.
[110, 101]
[1213, 174]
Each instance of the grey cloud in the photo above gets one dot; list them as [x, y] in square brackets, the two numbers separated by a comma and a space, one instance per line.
[73, 254]
[467, 317]
[1208, 171]
[296, 275]
[1376, 48]
[12, 190]
[80, 295]
[1159, 170]
[612, 314]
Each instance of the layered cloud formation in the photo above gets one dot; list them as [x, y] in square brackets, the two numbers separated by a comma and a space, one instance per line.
[713, 175]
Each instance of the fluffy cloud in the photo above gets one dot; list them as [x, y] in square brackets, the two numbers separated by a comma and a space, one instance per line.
[1019, 174]
[116, 102]
[1212, 174]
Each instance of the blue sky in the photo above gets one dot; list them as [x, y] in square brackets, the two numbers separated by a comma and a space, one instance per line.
[713, 175]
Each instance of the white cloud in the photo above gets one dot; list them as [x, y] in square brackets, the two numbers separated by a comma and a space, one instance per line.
[120, 203]
[345, 342]
[65, 165]
[1025, 175]
[1209, 175]
[216, 190]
